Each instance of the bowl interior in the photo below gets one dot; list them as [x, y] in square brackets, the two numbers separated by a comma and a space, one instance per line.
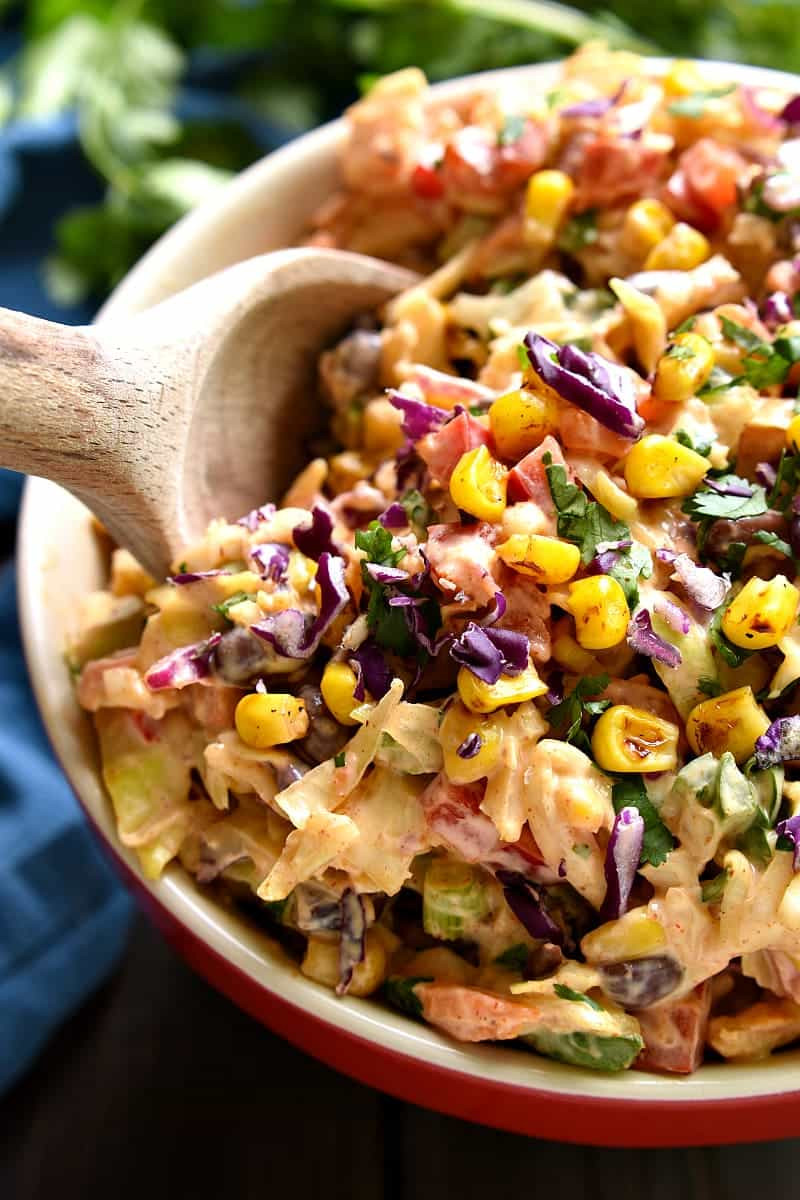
[59, 561]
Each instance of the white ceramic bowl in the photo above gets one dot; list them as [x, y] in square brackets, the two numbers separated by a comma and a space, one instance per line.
[265, 208]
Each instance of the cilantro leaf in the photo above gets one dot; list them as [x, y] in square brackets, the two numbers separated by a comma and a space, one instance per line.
[578, 232]
[512, 131]
[685, 439]
[718, 381]
[694, 105]
[658, 841]
[419, 512]
[685, 326]
[399, 992]
[712, 889]
[376, 542]
[788, 478]
[580, 520]
[731, 561]
[339, 759]
[734, 656]
[632, 565]
[765, 363]
[710, 505]
[223, 607]
[387, 624]
[568, 993]
[567, 717]
[767, 538]
[708, 686]
[515, 957]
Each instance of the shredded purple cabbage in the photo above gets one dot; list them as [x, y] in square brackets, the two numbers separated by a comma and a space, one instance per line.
[780, 743]
[315, 539]
[729, 487]
[599, 387]
[383, 574]
[470, 746]
[418, 418]
[766, 475]
[790, 828]
[707, 589]
[607, 556]
[623, 854]
[272, 560]
[316, 908]
[351, 940]
[791, 111]
[192, 576]
[253, 519]
[373, 674]
[671, 613]
[184, 666]
[395, 516]
[289, 631]
[524, 900]
[490, 653]
[777, 310]
[643, 639]
[597, 107]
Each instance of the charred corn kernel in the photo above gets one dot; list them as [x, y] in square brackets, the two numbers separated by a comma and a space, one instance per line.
[681, 250]
[382, 426]
[636, 935]
[520, 421]
[547, 198]
[338, 685]
[629, 739]
[732, 721]
[793, 435]
[600, 610]
[762, 613]
[684, 368]
[462, 728]
[647, 222]
[482, 697]
[789, 907]
[611, 496]
[270, 719]
[478, 485]
[548, 560]
[569, 654]
[321, 963]
[659, 467]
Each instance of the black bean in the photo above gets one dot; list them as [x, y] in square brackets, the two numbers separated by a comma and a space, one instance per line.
[240, 656]
[325, 736]
[641, 982]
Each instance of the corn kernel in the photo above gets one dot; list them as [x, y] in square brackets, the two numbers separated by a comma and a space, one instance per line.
[547, 198]
[681, 250]
[270, 719]
[548, 560]
[338, 685]
[569, 654]
[684, 368]
[659, 467]
[382, 427]
[459, 725]
[482, 697]
[732, 721]
[647, 222]
[793, 435]
[301, 572]
[647, 322]
[684, 77]
[611, 496]
[600, 610]
[762, 613]
[520, 421]
[629, 739]
[478, 485]
[636, 935]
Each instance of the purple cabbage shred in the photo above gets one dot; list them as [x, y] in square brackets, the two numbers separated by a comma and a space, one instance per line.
[351, 938]
[315, 539]
[272, 560]
[289, 631]
[524, 900]
[373, 674]
[780, 743]
[707, 589]
[184, 666]
[470, 746]
[623, 854]
[253, 519]
[394, 517]
[490, 653]
[418, 418]
[790, 829]
[671, 614]
[643, 639]
[599, 387]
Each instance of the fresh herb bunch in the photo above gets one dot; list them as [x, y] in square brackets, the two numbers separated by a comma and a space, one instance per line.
[119, 65]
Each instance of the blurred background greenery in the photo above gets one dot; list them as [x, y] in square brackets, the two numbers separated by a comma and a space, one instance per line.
[167, 97]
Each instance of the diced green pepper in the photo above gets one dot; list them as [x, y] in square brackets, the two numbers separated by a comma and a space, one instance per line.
[454, 899]
[587, 1049]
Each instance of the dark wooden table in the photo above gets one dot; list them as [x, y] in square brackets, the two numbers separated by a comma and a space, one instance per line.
[159, 1089]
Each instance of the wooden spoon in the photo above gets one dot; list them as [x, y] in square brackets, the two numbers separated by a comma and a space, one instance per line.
[194, 409]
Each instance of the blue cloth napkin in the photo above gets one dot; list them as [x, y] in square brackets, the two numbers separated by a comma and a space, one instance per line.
[63, 915]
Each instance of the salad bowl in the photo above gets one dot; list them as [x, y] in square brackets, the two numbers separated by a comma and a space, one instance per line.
[267, 207]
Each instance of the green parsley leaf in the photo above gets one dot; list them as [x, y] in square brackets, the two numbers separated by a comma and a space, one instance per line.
[339, 759]
[419, 512]
[580, 520]
[376, 542]
[718, 381]
[767, 538]
[630, 792]
[578, 232]
[680, 352]
[568, 993]
[694, 105]
[568, 716]
[733, 558]
[712, 889]
[512, 131]
[753, 843]
[765, 363]
[709, 505]
[225, 605]
[787, 482]
[685, 326]
[632, 565]
[400, 993]
[515, 957]
[685, 439]
[734, 656]
[709, 687]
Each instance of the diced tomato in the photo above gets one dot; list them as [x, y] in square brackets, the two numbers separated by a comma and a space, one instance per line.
[704, 186]
[582, 433]
[476, 167]
[527, 610]
[614, 169]
[517, 160]
[675, 1034]
[528, 479]
[442, 450]
[427, 182]
[462, 560]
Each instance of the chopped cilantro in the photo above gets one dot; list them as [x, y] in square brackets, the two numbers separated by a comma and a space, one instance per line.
[630, 566]
[753, 843]
[630, 792]
[767, 538]
[709, 686]
[183, 568]
[387, 624]
[580, 520]
[523, 358]
[718, 381]
[512, 131]
[376, 542]
[680, 351]
[765, 363]
[734, 656]
[568, 993]
[694, 105]
[686, 326]
[711, 889]
[579, 231]
[225, 605]
[686, 439]
[731, 561]
[515, 957]
[419, 512]
[706, 504]
[339, 759]
[400, 993]
[788, 478]
[567, 717]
